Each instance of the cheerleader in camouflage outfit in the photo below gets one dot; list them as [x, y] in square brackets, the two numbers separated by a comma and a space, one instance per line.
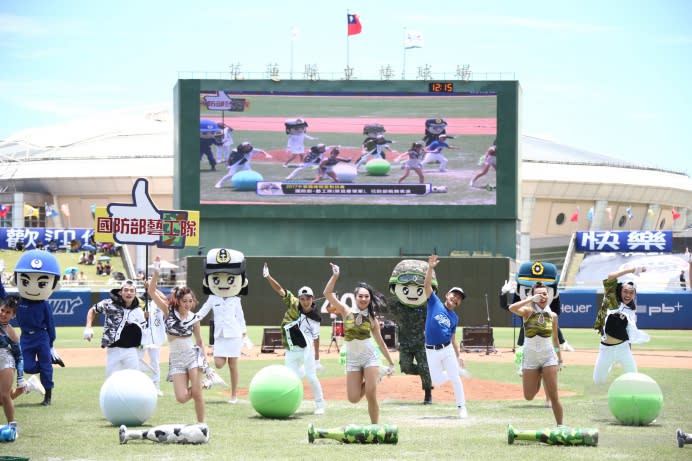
[542, 357]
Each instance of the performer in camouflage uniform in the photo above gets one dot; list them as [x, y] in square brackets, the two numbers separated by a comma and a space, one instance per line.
[408, 307]
[616, 321]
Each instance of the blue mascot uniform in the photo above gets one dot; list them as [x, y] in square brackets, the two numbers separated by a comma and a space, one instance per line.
[36, 275]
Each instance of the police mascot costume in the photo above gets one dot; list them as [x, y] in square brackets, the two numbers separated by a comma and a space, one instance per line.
[409, 307]
[209, 133]
[36, 275]
[528, 274]
[434, 127]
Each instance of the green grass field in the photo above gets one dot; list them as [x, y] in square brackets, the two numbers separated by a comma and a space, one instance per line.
[74, 428]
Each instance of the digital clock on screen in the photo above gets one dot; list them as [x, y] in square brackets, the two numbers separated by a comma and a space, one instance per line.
[441, 87]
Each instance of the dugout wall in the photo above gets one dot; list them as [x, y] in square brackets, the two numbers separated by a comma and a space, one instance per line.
[262, 306]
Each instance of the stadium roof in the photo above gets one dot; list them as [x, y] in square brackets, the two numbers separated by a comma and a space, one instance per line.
[115, 148]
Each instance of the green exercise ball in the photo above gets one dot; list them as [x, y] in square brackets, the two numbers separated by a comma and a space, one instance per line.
[378, 167]
[635, 399]
[276, 392]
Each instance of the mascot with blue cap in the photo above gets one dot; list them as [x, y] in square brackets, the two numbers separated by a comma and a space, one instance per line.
[528, 274]
[36, 275]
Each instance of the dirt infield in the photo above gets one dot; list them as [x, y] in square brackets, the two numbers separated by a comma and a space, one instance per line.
[404, 387]
[455, 126]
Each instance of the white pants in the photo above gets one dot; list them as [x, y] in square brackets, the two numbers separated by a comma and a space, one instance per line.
[443, 366]
[233, 169]
[430, 157]
[609, 356]
[305, 356]
[303, 166]
[121, 358]
[154, 353]
[222, 152]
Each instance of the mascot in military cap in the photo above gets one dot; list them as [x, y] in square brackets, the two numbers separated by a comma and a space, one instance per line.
[434, 127]
[36, 275]
[409, 307]
[528, 274]
[225, 281]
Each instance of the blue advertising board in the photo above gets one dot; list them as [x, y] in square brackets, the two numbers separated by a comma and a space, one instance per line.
[70, 306]
[30, 237]
[624, 241]
[661, 310]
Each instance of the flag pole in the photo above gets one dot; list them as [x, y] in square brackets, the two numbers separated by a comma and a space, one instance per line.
[292, 40]
[348, 41]
[403, 70]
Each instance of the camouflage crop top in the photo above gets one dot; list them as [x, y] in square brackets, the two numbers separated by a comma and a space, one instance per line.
[539, 324]
[356, 326]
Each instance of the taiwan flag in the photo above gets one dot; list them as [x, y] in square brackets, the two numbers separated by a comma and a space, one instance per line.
[354, 26]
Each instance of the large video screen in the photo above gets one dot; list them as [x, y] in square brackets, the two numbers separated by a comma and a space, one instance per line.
[318, 145]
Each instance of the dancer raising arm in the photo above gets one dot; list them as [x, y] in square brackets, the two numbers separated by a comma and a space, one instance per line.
[360, 324]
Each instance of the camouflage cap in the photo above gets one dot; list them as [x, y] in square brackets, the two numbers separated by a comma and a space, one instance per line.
[411, 272]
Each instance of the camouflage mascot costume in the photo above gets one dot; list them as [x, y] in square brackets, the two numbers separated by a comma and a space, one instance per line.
[36, 275]
[409, 306]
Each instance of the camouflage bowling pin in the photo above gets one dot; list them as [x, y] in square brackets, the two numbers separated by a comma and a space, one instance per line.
[556, 436]
[352, 433]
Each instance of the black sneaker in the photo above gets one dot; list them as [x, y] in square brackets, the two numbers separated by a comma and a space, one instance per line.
[58, 361]
[681, 438]
[427, 400]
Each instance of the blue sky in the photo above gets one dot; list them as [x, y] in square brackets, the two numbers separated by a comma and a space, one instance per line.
[610, 76]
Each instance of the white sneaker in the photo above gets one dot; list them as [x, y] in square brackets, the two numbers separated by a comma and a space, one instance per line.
[319, 408]
[159, 392]
[464, 373]
[214, 378]
[384, 371]
[34, 384]
[567, 347]
[206, 383]
[463, 414]
[471, 183]
[217, 185]
[233, 401]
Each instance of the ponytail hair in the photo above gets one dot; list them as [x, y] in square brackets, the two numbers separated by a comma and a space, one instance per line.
[177, 294]
[377, 300]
